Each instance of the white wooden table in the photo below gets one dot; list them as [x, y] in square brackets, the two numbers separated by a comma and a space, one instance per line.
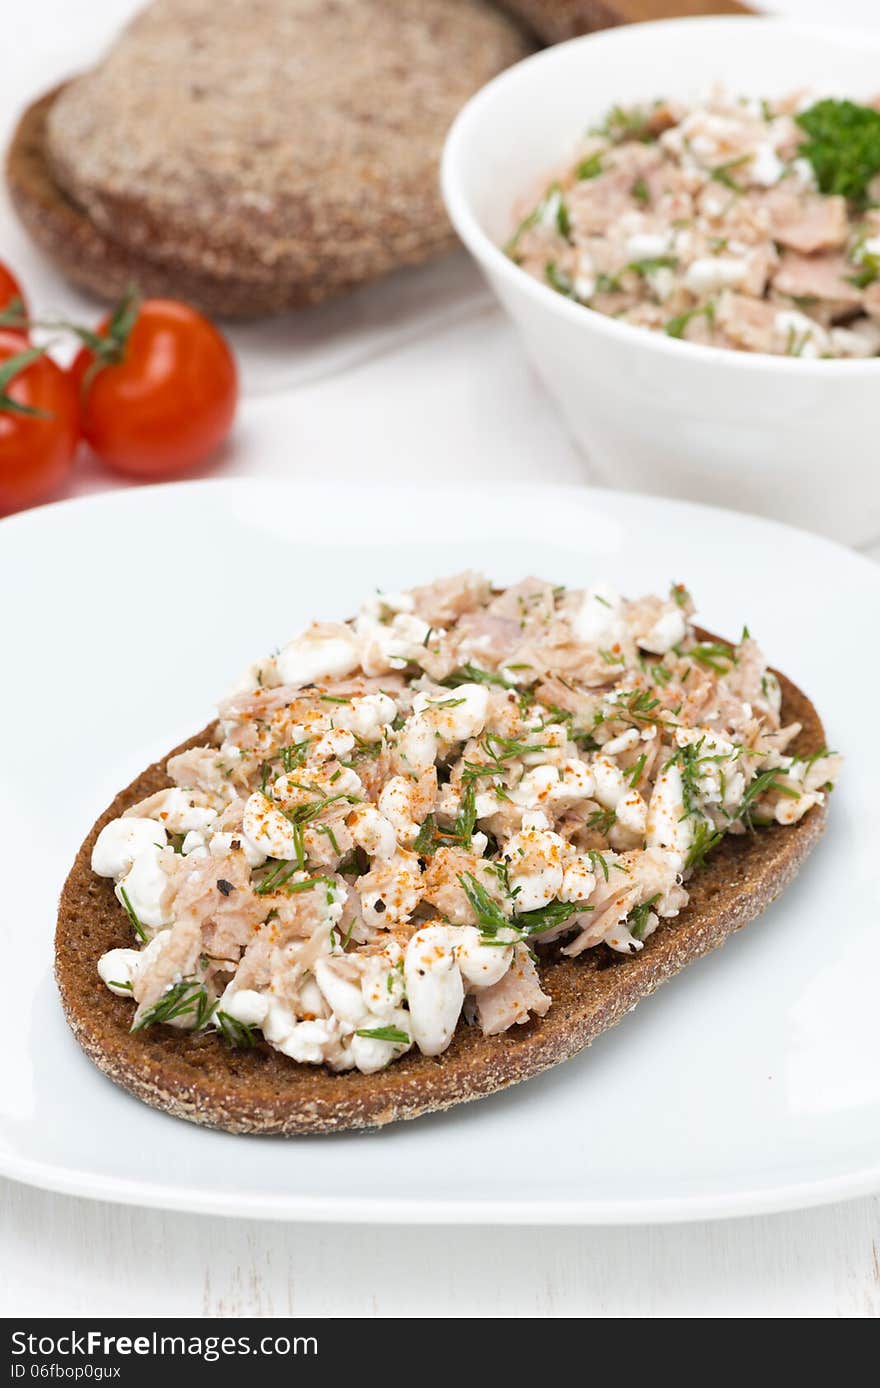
[424, 345]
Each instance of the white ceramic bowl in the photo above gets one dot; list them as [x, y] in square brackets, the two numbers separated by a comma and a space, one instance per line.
[786, 437]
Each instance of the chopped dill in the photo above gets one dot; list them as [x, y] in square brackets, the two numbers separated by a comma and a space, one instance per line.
[132, 915]
[706, 837]
[634, 775]
[490, 917]
[597, 858]
[424, 843]
[723, 173]
[637, 919]
[559, 280]
[714, 655]
[589, 167]
[472, 674]
[235, 1033]
[548, 917]
[677, 326]
[184, 999]
[393, 1034]
[602, 821]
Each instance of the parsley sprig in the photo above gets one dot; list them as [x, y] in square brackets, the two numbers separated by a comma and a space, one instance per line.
[843, 146]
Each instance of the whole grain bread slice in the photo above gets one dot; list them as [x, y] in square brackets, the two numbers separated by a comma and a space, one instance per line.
[102, 266]
[256, 156]
[261, 1091]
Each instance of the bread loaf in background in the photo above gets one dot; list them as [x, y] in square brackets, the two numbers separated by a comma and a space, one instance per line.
[256, 155]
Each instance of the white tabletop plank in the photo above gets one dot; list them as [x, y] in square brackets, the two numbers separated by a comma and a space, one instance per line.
[74, 1257]
[415, 350]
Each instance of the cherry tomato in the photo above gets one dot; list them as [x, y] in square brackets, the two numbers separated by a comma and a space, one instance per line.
[10, 290]
[167, 397]
[36, 450]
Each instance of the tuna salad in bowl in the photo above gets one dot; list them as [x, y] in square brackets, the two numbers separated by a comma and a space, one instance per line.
[683, 220]
[737, 222]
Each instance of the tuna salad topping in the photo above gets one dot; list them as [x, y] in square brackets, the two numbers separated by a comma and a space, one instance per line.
[399, 812]
[737, 223]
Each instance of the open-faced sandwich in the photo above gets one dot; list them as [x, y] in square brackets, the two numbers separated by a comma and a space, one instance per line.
[434, 850]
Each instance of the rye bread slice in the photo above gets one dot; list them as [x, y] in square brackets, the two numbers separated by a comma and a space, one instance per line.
[94, 261]
[261, 155]
[261, 1091]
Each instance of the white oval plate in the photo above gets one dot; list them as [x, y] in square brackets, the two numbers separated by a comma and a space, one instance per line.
[748, 1084]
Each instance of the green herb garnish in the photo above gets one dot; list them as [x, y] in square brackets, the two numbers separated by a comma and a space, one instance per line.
[425, 839]
[540, 213]
[634, 774]
[761, 785]
[545, 918]
[595, 858]
[183, 999]
[676, 327]
[276, 878]
[714, 655]
[590, 167]
[490, 917]
[706, 837]
[867, 273]
[602, 821]
[559, 280]
[394, 1034]
[466, 819]
[650, 264]
[290, 757]
[472, 674]
[722, 172]
[628, 123]
[234, 1032]
[132, 915]
[843, 146]
[638, 917]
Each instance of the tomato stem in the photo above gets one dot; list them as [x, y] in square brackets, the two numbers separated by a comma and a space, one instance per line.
[107, 349]
[14, 315]
[12, 367]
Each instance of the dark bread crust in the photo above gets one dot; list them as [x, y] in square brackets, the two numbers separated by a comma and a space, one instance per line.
[556, 20]
[260, 1091]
